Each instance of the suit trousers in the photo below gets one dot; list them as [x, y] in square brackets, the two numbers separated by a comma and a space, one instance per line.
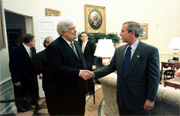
[57, 106]
[123, 111]
[20, 92]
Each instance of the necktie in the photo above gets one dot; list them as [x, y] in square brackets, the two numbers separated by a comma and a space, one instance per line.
[127, 58]
[74, 49]
[83, 47]
[31, 53]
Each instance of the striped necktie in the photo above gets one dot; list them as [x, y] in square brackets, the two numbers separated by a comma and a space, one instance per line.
[74, 49]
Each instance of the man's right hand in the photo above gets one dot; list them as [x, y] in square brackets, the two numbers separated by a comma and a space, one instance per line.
[86, 74]
[18, 84]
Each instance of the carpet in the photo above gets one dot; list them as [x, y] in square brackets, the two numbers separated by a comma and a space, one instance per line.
[91, 109]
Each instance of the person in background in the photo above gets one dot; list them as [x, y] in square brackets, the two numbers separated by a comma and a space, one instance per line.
[23, 73]
[44, 72]
[66, 61]
[88, 49]
[138, 75]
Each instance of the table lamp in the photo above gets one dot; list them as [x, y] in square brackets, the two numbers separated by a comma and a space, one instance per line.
[105, 50]
[175, 45]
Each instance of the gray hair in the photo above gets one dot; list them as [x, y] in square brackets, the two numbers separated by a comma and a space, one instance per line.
[46, 40]
[133, 26]
[62, 26]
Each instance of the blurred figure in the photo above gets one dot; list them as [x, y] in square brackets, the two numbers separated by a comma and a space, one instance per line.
[43, 71]
[66, 61]
[88, 49]
[23, 73]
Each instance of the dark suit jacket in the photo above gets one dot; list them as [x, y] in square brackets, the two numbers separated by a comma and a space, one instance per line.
[141, 79]
[65, 66]
[22, 67]
[42, 67]
[89, 55]
[22, 70]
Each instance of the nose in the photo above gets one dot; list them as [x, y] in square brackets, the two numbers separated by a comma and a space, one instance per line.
[75, 30]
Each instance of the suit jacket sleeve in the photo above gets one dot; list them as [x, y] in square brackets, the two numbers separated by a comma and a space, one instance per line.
[38, 64]
[14, 66]
[153, 74]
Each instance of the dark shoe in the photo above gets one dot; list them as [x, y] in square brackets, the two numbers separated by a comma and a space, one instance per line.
[21, 110]
[91, 93]
[38, 107]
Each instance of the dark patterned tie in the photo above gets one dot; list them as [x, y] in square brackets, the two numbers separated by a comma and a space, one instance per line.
[127, 58]
[74, 49]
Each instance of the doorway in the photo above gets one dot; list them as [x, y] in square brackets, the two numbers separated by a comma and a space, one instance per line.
[15, 28]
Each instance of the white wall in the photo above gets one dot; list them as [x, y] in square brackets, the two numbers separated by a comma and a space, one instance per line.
[162, 16]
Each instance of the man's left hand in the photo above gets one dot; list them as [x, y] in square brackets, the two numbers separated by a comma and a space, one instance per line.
[148, 105]
[93, 67]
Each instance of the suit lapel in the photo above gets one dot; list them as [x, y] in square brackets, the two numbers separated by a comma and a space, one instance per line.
[69, 49]
[25, 52]
[33, 50]
[79, 50]
[87, 45]
[136, 56]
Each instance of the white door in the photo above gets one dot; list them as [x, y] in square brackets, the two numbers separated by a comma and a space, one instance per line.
[43, 27]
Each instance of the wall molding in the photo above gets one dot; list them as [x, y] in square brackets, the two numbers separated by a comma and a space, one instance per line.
[7, 92]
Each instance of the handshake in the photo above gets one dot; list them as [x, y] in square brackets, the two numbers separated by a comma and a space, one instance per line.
[86, 74]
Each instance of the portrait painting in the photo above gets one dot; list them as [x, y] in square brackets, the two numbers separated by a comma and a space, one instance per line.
[51, 12]
[143, 31]
[95, 19]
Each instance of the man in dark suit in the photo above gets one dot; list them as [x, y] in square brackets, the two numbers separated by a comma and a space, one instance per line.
[44, 72]
[138, 75]
[66, 61]
[23, 73]
[88, 49]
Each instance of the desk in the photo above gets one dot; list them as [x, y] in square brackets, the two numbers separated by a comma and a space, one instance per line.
[175, 82]
[169, 64]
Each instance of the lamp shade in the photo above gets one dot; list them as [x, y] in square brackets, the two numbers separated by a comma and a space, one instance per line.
[104, 48]
[174, 43]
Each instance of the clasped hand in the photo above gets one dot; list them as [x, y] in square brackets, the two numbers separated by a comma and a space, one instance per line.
[86, 74]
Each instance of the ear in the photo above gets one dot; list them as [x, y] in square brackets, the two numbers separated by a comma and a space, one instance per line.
[133, 33]
[46, 44]
[63, 32]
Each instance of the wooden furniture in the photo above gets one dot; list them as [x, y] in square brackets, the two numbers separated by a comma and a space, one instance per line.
[173, 66]
[175, 82]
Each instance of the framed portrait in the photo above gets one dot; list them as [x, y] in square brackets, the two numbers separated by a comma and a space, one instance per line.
[95, 19]
[144, 31]
[51, 12]
[2, 37]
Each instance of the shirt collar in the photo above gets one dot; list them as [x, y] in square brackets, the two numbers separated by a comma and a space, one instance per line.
[85, 42]
[134, 45]
[26, 47]
[68, 42]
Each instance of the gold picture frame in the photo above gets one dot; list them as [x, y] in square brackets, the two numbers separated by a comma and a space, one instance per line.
[2, 37]
[144, 31]
[51, 12]
[95, 19]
